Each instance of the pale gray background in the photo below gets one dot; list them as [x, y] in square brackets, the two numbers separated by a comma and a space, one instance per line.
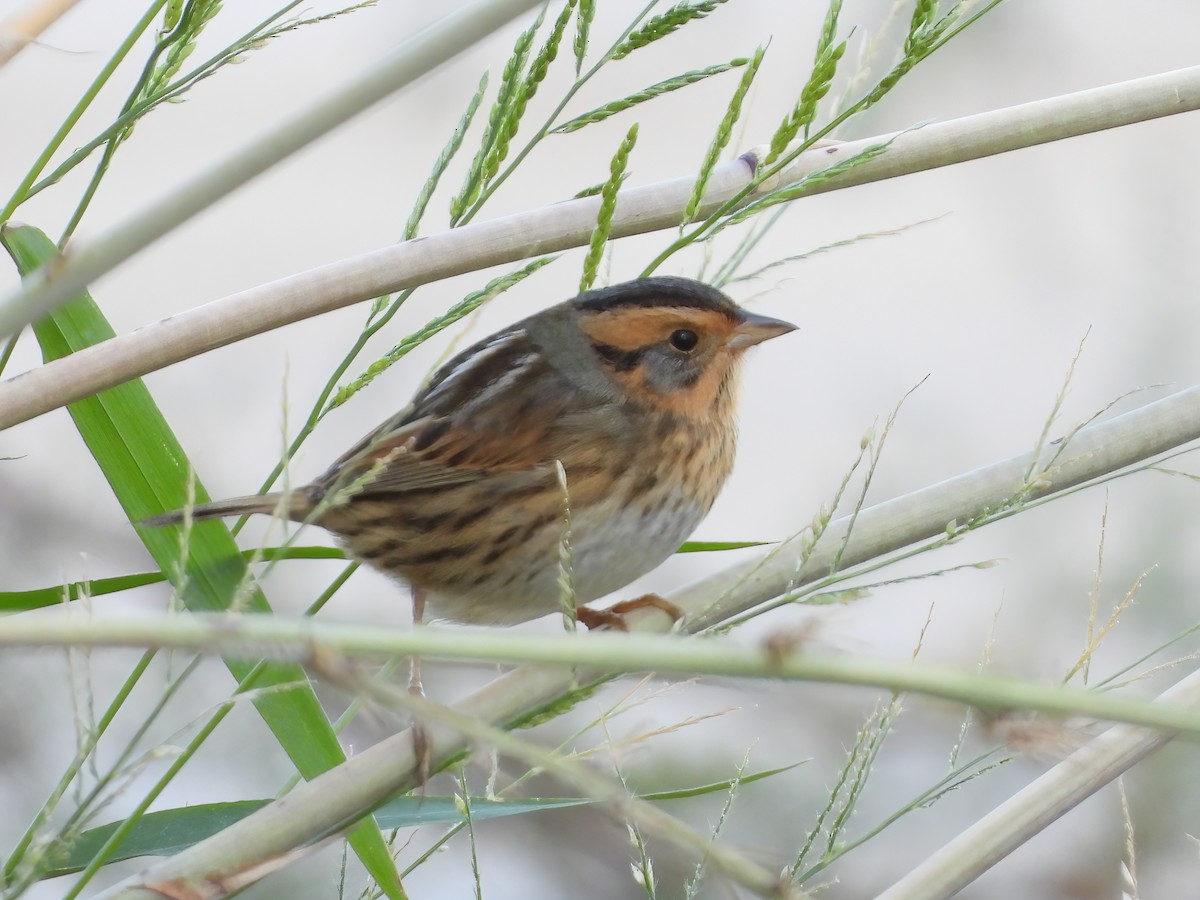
[1031, 250]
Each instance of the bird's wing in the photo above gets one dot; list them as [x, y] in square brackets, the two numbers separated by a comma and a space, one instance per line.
[497, 407]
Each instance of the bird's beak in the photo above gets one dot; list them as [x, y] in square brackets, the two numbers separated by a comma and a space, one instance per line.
[755, 329]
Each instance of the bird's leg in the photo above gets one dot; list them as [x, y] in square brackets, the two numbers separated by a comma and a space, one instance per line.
[422, 752]
[414, 661]
[614, 616]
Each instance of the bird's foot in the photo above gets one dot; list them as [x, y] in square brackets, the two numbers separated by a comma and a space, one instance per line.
[614, 616]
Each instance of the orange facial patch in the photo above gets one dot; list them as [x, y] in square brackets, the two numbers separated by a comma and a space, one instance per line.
[635, 328]
[630, 340]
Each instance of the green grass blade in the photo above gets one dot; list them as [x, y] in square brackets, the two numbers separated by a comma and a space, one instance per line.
[443, 160]
[171, 830]
[710, 546]
[538, 69]
[156, 834]
[252, 39]
[583, 27]
[37, 598]
[21, 194]
[721, 138]
[499, 119]
[797, 189]
[19, 601]
[655, 90]
[717, 786]
[608, 205]
[149, 473]
[662, 25]
[819, 81]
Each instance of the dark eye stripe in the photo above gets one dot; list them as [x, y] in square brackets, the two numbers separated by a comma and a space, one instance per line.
[621, 360]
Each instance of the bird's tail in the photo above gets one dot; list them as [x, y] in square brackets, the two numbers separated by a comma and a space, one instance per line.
[295, 505]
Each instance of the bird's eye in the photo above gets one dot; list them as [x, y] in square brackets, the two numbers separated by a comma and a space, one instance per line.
[684, 340]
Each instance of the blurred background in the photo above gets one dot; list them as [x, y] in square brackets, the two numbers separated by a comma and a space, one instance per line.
[1027, 254]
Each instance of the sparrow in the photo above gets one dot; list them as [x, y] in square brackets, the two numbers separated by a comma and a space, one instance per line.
[548, 465]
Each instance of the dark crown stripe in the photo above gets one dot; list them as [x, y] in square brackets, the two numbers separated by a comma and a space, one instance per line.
[658, 292]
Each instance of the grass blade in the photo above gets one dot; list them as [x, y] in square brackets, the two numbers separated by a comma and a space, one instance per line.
[443, 160]
[711, 546]
[149, 473]
[824, 68]
[489, 154]
[583, 27]
[662, 25]
[721, 138]
[655, 90]
[19, 601]
[608, 205]
[171, 830]
[38, 598]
